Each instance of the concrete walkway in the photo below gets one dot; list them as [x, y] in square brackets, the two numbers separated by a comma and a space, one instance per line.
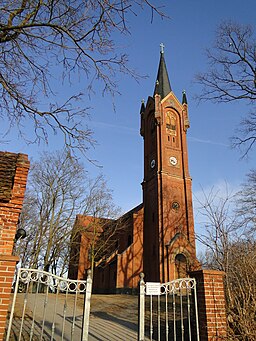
[109, 330]
[112, 318]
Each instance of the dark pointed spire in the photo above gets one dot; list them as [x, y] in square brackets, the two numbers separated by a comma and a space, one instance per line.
[184, 97]
[142, 108]
[163, 86]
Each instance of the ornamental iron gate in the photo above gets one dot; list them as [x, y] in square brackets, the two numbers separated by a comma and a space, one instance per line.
[168, 311]
[48, 307]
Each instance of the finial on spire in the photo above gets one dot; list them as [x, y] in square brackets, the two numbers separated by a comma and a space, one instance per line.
[184, 97]
[162, 86]
[162, 48]
[142, 108]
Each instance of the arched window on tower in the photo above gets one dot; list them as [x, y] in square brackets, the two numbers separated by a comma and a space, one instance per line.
[171, 124]
[181, 265]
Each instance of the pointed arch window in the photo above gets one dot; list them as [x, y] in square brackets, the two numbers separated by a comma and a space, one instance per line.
[171, 123]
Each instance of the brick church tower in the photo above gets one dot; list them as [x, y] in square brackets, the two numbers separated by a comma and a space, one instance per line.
[157, 236]
[169, 240]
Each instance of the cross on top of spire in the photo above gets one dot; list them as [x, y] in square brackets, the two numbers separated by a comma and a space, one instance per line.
[162, 48]
[162, 86]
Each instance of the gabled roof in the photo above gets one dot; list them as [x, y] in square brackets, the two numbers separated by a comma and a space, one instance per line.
[163, 86]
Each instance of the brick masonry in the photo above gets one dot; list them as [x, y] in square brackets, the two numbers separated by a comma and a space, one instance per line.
[13, 178]
[211, 304]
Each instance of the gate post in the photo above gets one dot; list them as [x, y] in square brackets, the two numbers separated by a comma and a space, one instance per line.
[87, 304]
[13, 178]
[141, 314]
[211, 304]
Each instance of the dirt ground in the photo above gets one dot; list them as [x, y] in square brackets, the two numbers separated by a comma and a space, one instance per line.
[120, 306]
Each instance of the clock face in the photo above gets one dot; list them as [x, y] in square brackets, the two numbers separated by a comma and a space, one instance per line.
[152, 163]
[175, 205]
[173, 161]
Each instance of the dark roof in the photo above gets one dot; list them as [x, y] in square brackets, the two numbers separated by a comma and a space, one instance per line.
[8, 163]
[163, 86]
[134, 210]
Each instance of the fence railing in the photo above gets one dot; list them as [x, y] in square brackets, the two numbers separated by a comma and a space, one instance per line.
[48, 307]
[168, 311]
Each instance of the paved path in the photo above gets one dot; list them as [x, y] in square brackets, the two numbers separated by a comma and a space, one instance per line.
[112, 318]
[110, 330]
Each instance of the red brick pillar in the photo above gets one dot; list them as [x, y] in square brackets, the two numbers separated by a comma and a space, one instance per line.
[7, 268]
[13, 178]
[211, 304]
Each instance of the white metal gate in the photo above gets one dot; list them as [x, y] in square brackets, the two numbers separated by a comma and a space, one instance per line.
[168, 311]
[48, 307]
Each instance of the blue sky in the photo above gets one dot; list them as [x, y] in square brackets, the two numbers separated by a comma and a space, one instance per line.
[186, 34]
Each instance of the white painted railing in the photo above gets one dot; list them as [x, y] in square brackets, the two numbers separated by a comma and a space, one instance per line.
[48, 307]
[168, 311]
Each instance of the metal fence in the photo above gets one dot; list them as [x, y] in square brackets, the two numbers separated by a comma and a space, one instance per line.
[48, 307]
[168, 311]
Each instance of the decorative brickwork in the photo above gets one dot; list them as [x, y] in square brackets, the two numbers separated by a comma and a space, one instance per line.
[211, 304]
[13, 178]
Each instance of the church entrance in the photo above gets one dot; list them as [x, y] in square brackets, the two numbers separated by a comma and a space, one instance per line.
[180, 266]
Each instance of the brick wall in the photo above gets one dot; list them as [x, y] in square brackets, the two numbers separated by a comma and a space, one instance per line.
[13, 178]
[211, 304]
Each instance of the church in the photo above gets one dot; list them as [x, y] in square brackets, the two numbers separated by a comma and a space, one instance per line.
[157, 237]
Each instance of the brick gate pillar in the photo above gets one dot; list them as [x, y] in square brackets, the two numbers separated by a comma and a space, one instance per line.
[211, 304]
[13, 178]
[7, 268]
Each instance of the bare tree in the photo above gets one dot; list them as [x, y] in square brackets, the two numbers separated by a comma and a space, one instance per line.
[241, 290]
[56, 189]
[100, 224]
[42, 39]
[29, 222]
[59, 189]
[246, 204]
[230, 247]
[232, 75]
[219, 227]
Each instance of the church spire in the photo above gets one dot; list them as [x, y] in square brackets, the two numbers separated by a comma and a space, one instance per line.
[184, 97]
[163, 86]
